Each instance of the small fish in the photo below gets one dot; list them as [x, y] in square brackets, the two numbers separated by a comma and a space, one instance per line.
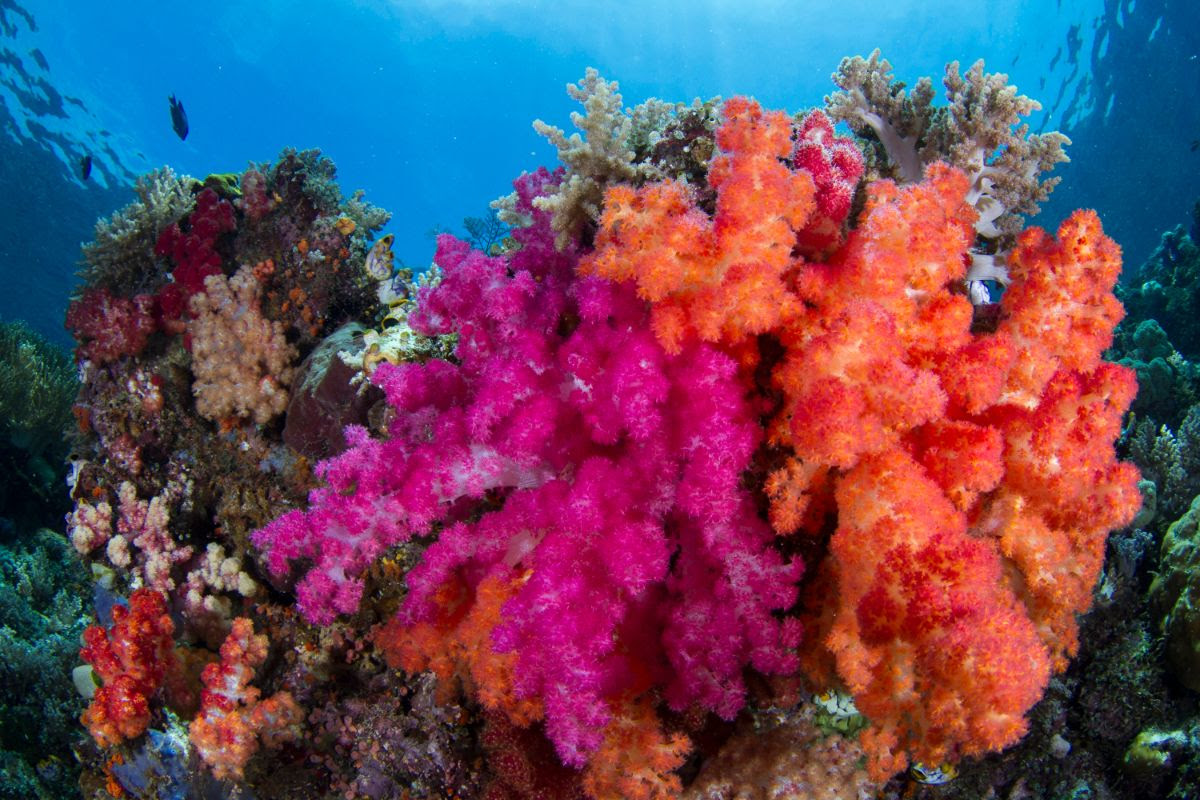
[379, 260]
[933, 776]
[178, 118]
[85, 166]
[1195, 145]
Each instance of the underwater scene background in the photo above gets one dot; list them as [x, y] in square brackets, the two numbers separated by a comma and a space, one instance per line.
[805, 405]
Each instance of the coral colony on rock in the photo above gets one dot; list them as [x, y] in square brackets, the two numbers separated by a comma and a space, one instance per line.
[756, 461]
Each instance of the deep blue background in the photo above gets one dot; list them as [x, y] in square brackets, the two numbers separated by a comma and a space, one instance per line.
[427, 105]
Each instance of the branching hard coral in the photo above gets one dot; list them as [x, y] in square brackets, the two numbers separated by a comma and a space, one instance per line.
[121, 257]
[870, 99]
[242, 361]
[594, 162]
[1169, 458]
[981, 132]
[37, 387]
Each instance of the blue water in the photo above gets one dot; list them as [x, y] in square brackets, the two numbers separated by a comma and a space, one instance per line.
[427, 105]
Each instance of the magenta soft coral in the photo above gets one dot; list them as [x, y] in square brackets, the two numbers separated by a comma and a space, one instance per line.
[616, 468]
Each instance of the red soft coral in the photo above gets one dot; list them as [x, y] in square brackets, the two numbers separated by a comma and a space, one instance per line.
[132, 659]
[233, 717]
[835, 164]
[108, 326]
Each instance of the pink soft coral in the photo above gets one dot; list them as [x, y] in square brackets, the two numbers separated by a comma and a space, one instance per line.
[613, 470]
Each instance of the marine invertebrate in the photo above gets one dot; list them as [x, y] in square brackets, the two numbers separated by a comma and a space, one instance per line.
[594, 161]
[109, 326]
[637, 457]
[37, 386]
[718, 280]
[133, 659]
[980, 132]
[242, 361]
[1175, 596]
[233, 717]
[195, 254]
[883, 386]
[121, 256]
[599, 498]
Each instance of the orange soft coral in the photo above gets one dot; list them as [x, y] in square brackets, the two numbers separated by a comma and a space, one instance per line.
[458, 649]
[637, 759]
[858, 370]
[1060, 309]
[934, 645]
[970, 472]
[233, 718]
[719, 279]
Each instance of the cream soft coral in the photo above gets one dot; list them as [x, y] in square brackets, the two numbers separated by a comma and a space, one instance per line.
[242, 362]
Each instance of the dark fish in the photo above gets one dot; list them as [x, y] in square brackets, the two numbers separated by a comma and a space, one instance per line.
[178, 117]
[85, 166]
[1195, 145]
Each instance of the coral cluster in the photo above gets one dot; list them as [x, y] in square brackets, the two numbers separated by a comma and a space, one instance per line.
[724, 421]
[42, 616]
[242, 362]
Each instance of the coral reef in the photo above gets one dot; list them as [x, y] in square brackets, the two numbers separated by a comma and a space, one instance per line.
[1175, 596]
[724, 420]
[42, 616]
[37, 386]
[1166, 288]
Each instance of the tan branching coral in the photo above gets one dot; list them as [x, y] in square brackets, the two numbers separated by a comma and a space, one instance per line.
[122, 254]
[981, 132]
[600, 157]
[242, 363]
